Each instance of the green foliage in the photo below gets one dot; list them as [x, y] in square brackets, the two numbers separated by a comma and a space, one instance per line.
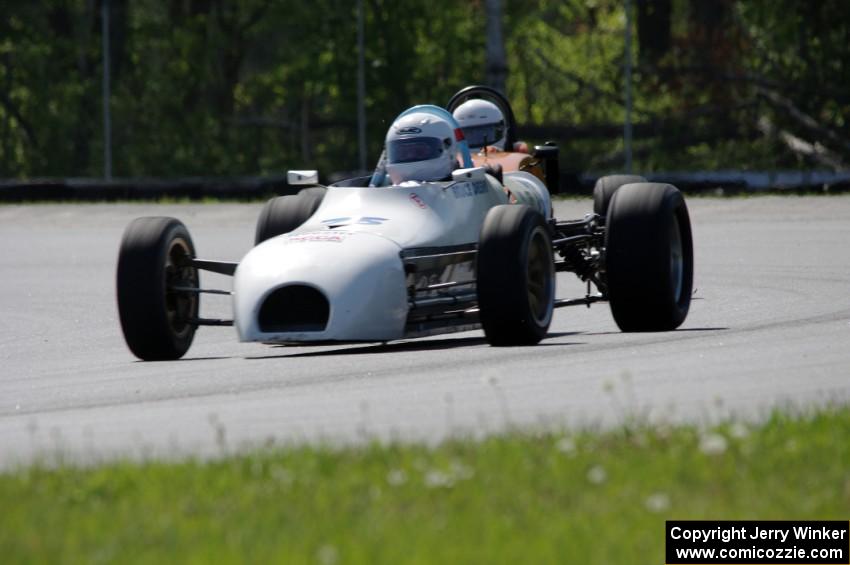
[582, 497]
[213, 87]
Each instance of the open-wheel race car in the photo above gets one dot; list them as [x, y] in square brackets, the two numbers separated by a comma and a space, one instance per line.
[454, 231]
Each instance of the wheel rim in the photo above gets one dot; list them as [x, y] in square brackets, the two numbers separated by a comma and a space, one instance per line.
[539, 279]
[180, 306]
[677, 261]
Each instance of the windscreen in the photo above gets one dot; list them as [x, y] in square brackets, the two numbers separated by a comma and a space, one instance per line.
[486, 134]
[414, 149]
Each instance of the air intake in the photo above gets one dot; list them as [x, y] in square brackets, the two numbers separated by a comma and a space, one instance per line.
[294, 308]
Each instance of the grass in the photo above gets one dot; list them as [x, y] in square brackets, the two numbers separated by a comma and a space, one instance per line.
[523, 497]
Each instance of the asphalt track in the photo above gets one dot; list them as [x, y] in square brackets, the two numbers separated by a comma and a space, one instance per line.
[770, 326]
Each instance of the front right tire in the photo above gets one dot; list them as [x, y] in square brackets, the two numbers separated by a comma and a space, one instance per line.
[649, 257]
[157, 317]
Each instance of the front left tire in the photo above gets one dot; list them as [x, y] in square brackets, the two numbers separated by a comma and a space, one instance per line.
[283, 214]
[516, 276]
[605, 188]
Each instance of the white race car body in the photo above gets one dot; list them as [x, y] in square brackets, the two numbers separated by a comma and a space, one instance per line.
[348, 274]
[362, 261]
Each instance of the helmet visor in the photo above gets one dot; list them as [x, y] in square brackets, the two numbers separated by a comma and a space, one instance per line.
[414, 149]
[486, 134]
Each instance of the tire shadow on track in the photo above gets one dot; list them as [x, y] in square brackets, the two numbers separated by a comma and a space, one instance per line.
[411, 346]
[184, 359]
[676, 331]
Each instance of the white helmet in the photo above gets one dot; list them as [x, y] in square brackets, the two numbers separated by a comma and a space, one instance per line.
[482, 123]
[421, 146]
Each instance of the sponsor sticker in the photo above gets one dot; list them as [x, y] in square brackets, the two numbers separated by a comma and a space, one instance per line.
[370, 221]
[416, 199]
[469, 189]
[330, 236]
[363, 221]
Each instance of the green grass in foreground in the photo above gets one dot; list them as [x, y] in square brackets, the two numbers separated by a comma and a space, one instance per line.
[587, 497]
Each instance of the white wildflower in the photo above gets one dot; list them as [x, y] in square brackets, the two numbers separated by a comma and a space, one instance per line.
[657, 502]
[597, 475]
[566, 445]
[712, 444]
[396, 477]
[281, 475]
[461, 472]
[327, 555]
[438, 479]
[739, 431]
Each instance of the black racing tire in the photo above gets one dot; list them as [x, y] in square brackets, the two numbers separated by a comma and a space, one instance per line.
[516, 276]
[158, 322]
[285, 213]
[649, 257]
[605, 188]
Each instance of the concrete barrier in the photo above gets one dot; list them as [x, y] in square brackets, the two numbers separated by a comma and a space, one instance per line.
[192, 188]
[253, 188]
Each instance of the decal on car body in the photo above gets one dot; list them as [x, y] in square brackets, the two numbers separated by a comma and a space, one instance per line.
[320, 236]
[416, 199]
[363, 221]
[469, 189]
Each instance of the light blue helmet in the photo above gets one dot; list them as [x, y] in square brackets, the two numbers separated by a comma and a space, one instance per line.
[421, 146]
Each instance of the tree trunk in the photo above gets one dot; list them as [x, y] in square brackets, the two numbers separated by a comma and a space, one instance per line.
[497, 64]
[306, 142]
[709, 27]
[653, 23]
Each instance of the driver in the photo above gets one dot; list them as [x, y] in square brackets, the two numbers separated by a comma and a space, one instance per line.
[482, 123]
[421, 147]
[484, 126]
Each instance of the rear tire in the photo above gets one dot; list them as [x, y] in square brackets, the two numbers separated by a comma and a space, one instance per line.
[516, 276]
[606, 187]
[285, 213]
[649, 257]
[156, 320]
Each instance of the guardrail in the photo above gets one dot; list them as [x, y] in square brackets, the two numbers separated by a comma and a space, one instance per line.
[732, 182]
[253, 188]
[192, 188]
